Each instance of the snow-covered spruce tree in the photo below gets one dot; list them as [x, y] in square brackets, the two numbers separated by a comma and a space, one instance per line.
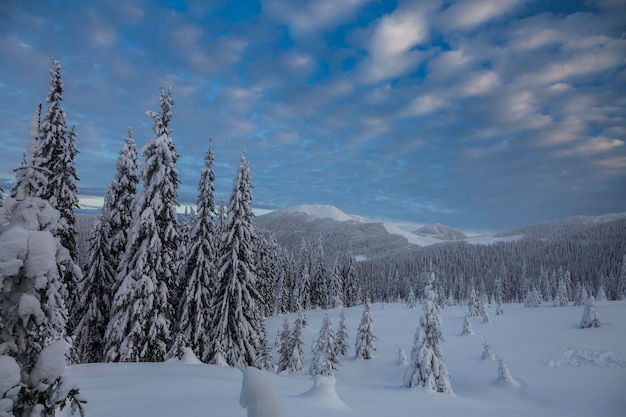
[141, 314]
[411, 301]
[467, 326]
[487, 352]
[561, 299]
[266, 259]
[350, 284]
[365, 346]
[402, 359]
[32, 310]
[119, 206]
[486, 318]
[533, 299]
[335, 287]
[621, 281]
[319, 278]
[474, 306]
[199, 275]
[324, 359]
[291, 351]
[236, 326]
[427, 368]
[581, 295]
[342, 343]
[590, 315]
[56, 154]
[95, 296]
[504, 376]
[303, 282]
[601, 293]
[264, 358]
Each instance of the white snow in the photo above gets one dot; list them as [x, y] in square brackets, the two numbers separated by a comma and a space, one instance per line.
[9, 374]
[51, 362]
[561, 371]
[491, 240]
[324, 211]
[411, 237]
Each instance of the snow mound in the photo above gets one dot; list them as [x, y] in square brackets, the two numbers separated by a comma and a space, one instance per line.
[190, 358]
[324, 211]
[257, 395]
[588, 357]
[51, 362]
[324, 394]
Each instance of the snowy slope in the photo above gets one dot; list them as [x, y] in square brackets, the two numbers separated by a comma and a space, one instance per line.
[561, 370]
[324, 211]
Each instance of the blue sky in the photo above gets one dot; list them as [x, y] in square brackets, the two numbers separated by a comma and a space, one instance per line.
[484, 114]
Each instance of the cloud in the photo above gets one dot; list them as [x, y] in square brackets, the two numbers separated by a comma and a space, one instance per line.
[468, 14]
[309, 17]
[391, 45]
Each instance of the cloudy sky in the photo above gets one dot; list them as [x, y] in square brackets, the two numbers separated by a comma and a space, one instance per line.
[483, 114]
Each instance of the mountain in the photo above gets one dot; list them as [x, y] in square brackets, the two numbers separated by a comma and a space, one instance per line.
[576, 227]
[344, 233]
[440, 231]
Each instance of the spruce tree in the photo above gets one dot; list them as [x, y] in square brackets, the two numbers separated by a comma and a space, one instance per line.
[621, 281]
[341, 337]
[325, 360]
[266, 259]
[32, 309]
[291, 352]
[350, 284]
[141, 313]
[533, 299]
[335, 287]
[474, 306]
[561, 299]
[303, 283]
[319, 279]
[236, 329]
[427, 368]
[590, 315]
[119, 205]
[198, 279]
[365, 339]
[95, 296]
[56, 155]
[467, 326]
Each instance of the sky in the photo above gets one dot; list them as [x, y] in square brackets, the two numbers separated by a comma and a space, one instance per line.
[483, 114]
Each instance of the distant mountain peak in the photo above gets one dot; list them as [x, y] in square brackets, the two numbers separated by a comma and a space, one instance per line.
[324, 211]
[440, 231]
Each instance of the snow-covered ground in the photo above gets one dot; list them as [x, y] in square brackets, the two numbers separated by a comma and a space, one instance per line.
[560, 370]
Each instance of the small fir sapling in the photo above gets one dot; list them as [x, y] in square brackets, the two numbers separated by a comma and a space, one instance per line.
[504, 376]
[486, 318]
[402, 359]
[533, 299]
[467, 326]
[427, 368]
[325, 360]
[590, 315]
[341, 337]
[561, 299]
[412, 299]
[487, 352]
[365, 339]
[499, 309]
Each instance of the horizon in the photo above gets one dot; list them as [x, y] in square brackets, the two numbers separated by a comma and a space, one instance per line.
[479, 115]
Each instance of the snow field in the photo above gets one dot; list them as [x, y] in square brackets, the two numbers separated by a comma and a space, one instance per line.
[560, 370]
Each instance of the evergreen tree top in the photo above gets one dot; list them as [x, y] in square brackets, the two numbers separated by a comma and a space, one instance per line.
[55, 91]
